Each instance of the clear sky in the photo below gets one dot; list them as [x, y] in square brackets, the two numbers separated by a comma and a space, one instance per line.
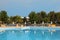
[24, 7]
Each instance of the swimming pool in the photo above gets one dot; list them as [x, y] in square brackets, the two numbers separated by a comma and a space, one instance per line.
[30, 33]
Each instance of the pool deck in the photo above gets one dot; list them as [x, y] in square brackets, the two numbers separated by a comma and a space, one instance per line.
[31, 27]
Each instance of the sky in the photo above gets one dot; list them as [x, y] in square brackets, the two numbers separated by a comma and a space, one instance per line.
[24, 7]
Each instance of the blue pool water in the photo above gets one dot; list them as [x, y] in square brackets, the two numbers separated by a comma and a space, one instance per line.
[27, 33]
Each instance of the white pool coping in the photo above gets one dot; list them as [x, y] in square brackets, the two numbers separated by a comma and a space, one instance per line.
[28, 27]
[31, 26]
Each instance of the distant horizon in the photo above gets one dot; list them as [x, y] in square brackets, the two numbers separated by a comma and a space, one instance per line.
[24, 7]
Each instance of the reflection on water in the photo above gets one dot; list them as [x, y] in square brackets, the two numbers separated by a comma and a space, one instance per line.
[30, 35]
[3, 35]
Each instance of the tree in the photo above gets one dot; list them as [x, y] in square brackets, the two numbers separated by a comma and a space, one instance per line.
[16, 19]
[3, 16]
[52, 16]
[42, 16]
[33, 17]
[0, 16]
[39, 17]
[58, 17]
